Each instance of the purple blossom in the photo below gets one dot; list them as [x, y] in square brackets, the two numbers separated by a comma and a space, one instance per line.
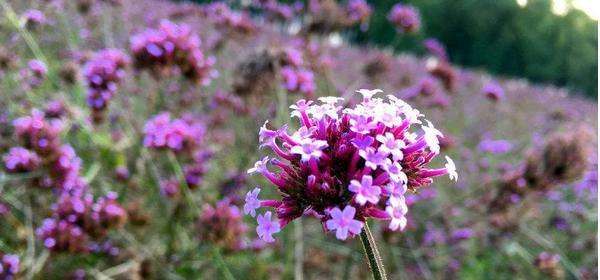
[397, 210]
[365, 190]
[493, 91]
[343, 222]
[374, 158]
[102, 74]
[9, 266]
[260, 166]
[298, 80]
[35, 73]
[495, 146]
[19, 159]
[266, 228]
[405, 18]
[436, 48]
[341, 164]
[161, 132]
[309, 149]
[33, 18]
[461, 234]
[252, 202]
[171, 47]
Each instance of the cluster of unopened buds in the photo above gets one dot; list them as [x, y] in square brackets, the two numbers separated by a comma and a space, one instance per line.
[102, 75]
[405, 18]
[344, 165]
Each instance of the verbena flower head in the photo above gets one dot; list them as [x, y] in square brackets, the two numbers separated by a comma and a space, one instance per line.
[35, 73]
[298, 80]
[9, 266]
[436, 48]
[19, 159]
[344, 165]
[33, 18]
[493, 91]
[39, 134]
[405, 18]
[172, 47]
[102, 75]
[495, 146]
[359, 11]
[178, 134]
[222, 224]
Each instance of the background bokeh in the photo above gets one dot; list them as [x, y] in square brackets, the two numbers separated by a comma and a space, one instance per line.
[127, 129]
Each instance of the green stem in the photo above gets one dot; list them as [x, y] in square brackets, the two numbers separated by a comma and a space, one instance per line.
[221, 264]
[375, 261]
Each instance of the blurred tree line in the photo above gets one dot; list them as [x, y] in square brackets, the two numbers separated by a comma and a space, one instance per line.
[499, 36]
[502, 37]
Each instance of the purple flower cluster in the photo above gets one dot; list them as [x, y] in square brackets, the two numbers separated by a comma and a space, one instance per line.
[35, 73]
[102, 75]
[19, 159]
[172, 47]
[33, 18]
[162, 132]
[185, 135]
[495, 146]
[275, 10]
[345, 165]
[436, 48]
[38, 134]
[405, 18]
[299, 80]
[9, 266]
[493, 91]
[223, 225]
[78, 219]
[427, 87]
[223, 16]
[359, 11]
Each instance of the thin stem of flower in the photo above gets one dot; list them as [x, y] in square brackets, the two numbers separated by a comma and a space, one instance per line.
[222, 265]
[375, 261]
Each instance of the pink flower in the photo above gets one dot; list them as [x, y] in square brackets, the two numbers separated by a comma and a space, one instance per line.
[365, 190]
[266, 228]
[343, 222]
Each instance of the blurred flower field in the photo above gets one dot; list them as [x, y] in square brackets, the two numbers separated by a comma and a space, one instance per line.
[251, 140]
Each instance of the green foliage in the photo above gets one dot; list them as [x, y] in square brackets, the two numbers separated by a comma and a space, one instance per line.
[503, 37]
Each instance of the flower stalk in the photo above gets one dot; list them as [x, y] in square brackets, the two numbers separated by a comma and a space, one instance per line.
[372, 253]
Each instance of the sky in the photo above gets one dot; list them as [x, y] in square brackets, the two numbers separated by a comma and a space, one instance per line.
[560, 7]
